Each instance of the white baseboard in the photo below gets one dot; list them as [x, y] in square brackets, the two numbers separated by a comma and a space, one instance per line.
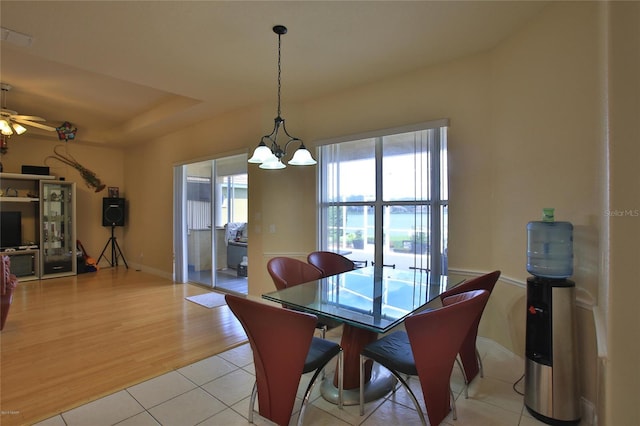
[588, 412]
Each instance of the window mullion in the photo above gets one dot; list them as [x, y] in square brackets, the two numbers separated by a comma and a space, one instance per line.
[378, 207]
[436, 219]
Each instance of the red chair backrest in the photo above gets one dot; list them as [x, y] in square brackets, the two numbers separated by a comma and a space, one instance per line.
[8, 281]
[435, 338]
[330, 263]
[468, 348]
[280, 340]
[483, 282]
[286, 272]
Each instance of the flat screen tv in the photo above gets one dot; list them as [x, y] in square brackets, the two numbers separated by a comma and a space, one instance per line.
[10, 229]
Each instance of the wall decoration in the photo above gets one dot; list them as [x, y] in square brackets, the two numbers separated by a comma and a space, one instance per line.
[114, 192]
[89, 177]
[66, 131]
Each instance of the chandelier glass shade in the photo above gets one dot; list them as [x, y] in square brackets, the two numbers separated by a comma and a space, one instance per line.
[269, 154]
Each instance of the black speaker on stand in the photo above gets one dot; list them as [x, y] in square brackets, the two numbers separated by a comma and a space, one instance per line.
[113, 212]
[113, 215]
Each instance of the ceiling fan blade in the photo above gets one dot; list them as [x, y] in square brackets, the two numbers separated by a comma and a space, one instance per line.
[37, 125]
[27, 117]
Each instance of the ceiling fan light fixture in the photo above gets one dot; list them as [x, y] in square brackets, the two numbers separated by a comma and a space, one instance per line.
[5, 128]
[18, 128]
[11, 121]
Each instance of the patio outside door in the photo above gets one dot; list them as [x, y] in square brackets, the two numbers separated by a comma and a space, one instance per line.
[213, 201]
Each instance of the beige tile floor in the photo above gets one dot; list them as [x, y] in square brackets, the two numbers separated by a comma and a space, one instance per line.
[216, 391]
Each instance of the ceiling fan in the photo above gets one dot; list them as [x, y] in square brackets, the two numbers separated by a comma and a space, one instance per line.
[11, 122]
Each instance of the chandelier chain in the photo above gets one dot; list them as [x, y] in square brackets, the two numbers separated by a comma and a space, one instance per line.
[279, 71]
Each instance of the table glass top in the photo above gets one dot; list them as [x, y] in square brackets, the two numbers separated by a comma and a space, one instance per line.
[373, 298]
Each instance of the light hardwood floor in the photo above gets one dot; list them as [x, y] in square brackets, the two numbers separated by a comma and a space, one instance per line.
[68, 341]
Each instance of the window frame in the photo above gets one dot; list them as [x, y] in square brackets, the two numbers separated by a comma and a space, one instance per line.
[436, 204]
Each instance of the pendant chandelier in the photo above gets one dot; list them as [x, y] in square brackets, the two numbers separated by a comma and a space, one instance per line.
[269, 153]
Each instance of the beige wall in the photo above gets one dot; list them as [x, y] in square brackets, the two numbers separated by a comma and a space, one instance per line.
[281, 219]
[546, 135]
[547, 126]
[530, 128]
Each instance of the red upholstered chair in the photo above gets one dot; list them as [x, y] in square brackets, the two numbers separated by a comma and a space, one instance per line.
[330, 263]
[287, 272]
[7, 285]
[469, 356]
[427, 349]
[283, 348]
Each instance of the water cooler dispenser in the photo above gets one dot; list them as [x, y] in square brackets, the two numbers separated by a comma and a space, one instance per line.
[551, 380]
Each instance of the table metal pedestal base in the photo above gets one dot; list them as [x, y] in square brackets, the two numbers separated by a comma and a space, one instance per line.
[382, 382]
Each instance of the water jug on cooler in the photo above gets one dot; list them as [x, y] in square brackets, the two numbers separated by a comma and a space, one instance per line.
[550, 247]
[551, 373]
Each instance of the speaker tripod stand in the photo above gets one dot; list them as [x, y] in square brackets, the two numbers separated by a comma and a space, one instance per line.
[115, 250]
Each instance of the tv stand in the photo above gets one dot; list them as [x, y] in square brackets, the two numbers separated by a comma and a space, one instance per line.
[47, 208]
[25, 264]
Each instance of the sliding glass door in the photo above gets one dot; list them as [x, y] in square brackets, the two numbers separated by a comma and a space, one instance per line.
[210, 223]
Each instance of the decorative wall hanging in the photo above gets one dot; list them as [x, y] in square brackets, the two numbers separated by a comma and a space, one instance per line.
[89, 177]
[66, 131]
[114, 192]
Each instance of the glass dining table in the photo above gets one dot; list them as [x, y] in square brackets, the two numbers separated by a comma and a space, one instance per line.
[368, 301]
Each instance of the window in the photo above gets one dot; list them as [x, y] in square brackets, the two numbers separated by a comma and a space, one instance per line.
[384, 197]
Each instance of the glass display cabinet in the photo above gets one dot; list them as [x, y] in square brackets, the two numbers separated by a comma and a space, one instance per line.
[57, 229]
